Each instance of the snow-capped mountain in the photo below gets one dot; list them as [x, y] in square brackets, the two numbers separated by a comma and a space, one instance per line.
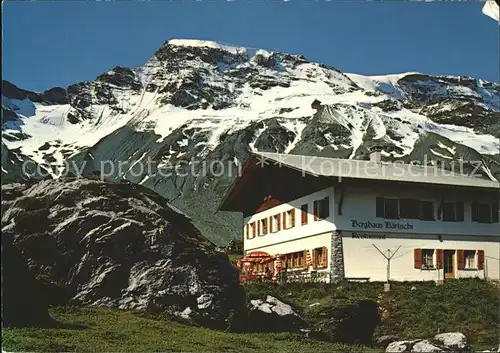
[213, 102]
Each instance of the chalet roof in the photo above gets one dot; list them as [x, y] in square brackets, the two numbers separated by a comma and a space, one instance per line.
[360, 169]
[327, 168]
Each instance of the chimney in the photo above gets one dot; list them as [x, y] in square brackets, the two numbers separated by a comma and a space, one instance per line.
[376, 154]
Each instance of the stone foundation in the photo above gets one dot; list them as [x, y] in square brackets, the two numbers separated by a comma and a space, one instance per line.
[337, 258]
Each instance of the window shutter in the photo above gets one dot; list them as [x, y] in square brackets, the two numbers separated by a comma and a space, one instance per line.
[460, 260]
[480, 259]
[247, 232]
[265, 227]
[284, 220]
[494, 212]
[304, 261]
[258, 227]
[324, 254]
[417, 258]
[460, 211]
[474, 212]
[439, 258]
[314, 258]
[304, 215]
[316, 210]
[293, 217]
[278, 225]
[271, 224]
[380, 207]
[254, 228]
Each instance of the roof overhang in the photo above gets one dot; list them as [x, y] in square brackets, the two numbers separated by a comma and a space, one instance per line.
[342, 171]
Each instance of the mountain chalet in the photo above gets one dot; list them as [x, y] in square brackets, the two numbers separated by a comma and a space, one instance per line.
[342, 219]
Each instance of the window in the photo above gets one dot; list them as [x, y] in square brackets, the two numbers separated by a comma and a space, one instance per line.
[303, 213]
[319, 257]
[298, 259]
[427, 258]
[453, 211]
[263, 226]
[275, 223]
[321, 209]
[289, 219]
[294, 260]
[470, 258]
[253, 230]
[409, 208]
[424, 258]
[485, 212]
[387, 208]
[427, 210]
[391, 208]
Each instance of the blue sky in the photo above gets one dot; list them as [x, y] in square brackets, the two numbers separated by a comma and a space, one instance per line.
[57, 43]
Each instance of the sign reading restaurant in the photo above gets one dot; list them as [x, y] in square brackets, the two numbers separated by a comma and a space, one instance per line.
[380, 225]
[368, 236]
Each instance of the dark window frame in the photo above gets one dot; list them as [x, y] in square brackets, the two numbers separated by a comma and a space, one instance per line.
[410, 208]
[455, 213]
[322, 208]
[488, 215]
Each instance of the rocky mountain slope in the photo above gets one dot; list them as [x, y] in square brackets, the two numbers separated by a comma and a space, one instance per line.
[183, 123]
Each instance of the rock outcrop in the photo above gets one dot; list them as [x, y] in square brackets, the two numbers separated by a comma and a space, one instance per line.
[422, 346]
[123, 246]
[454, 340]
[23, 304]
[351, 322]
[444, 342]
[272, 315]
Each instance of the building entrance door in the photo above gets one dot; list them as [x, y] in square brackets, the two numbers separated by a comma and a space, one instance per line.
[449, 263]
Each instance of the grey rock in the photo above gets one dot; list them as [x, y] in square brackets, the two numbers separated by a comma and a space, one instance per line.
[272, 315]
[120, 245]
[23, 303]
[455, 340]
[418, 345]
[425, 347]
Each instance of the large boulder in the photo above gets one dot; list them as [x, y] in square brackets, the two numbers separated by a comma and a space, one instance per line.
[23, 305]
[123, 246]
[422, 346]
[347, 321]
[454, 340]
[272, 315]
[443, 342]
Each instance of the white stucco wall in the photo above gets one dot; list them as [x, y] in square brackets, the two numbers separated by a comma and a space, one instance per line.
[361, 258]
[285, 237]
[360, 205]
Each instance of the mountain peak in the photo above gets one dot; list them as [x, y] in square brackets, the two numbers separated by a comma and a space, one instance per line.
[206, 44]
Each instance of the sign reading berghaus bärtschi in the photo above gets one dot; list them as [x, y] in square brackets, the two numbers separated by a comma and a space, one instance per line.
[361, 224]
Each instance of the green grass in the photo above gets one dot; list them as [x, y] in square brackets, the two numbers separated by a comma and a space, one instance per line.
[110, 330]
[470, 306]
